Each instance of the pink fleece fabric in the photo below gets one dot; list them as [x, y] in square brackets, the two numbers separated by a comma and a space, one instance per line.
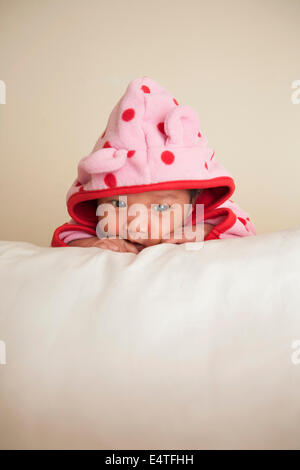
[151, 142]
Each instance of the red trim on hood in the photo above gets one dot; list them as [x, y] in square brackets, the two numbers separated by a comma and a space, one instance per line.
[82, 205]
[227, 223]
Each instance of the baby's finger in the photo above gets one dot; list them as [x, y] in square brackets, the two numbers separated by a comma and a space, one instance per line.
[168, 241]
[108, 245]
[129, 247]
[171, 240]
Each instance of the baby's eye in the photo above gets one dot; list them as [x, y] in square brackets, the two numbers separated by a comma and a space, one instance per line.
[161, 207]
[119, 203]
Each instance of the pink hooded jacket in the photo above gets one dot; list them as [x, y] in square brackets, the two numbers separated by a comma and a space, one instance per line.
[152, 143]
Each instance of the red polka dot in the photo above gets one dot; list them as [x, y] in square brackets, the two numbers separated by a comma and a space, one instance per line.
[161, 127]
[145, 89]
[206, 165]
[103, 134]
[107, 144]
[199, 134]
[81, 189]
[110, 180]
[175, 101]
[242, 220]
[130, 153]
[212, 156]
[167, 157]
[128, 114]
[247, 218]
[78, 184]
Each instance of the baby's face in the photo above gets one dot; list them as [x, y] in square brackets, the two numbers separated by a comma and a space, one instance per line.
[162, 212]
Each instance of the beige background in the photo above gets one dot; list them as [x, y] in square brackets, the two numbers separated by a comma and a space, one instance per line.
[66, 63]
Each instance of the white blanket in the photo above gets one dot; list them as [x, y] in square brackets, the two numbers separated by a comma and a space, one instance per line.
[167, 349]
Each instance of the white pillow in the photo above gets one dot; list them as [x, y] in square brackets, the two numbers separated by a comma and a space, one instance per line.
[167, 349]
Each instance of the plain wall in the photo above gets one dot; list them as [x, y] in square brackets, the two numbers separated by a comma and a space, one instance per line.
[66, 63]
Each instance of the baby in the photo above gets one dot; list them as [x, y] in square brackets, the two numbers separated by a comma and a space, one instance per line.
[152, 154]
[158, 201]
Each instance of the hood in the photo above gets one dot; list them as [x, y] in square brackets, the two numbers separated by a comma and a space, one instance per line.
[151, 143]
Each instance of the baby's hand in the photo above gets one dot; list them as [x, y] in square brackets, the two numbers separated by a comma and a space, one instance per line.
[183, 239]
[114, 244]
